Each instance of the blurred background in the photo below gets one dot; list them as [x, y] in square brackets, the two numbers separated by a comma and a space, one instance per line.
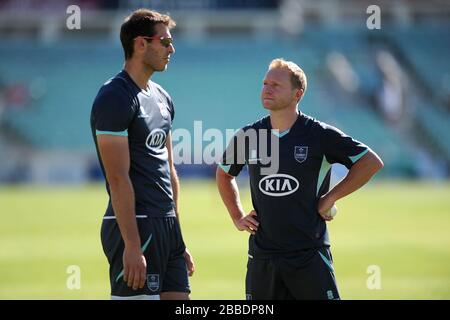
[387, 86]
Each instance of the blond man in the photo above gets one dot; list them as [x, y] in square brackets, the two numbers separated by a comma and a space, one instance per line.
[289, 248]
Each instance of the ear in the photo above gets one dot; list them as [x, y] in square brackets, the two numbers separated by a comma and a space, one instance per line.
[298, 94]
[139, 45]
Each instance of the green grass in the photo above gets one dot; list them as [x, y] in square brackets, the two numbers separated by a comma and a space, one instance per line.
[401, 227]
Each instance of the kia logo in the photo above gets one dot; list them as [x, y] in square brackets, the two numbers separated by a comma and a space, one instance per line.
[278, 185]
[156, 139]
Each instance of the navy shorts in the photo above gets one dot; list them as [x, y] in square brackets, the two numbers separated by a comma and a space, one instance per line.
[308, 275]
[163, 248]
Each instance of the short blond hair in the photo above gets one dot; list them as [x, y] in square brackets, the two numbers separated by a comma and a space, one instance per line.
[298, 77]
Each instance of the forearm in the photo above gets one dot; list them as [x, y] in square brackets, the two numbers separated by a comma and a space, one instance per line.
[123, 202]
[175, 188]
[361, 172]
[229, 192]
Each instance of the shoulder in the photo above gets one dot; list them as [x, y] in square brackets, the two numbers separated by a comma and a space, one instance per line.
[250, 129]
[115, 91]
[319, 127]
[161, 91]
[115, 99]
[257, 125]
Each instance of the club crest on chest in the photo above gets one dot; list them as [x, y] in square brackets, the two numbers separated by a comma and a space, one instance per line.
[300, 153]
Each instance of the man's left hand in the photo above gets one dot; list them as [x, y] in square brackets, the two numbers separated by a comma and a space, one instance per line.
[189, 262]
[325, 204]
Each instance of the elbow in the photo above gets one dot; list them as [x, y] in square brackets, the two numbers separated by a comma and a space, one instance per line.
[372, 162]
[377, 163]
[380, 164]
[377, 166]
[116, 180]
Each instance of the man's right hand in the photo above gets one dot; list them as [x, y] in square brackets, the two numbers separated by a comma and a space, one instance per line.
[247, 223]
[135, 267]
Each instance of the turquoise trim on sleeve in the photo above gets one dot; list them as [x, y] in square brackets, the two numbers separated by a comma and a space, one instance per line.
[144, 247]
[113, 133]
[225, 167]
[359, 156]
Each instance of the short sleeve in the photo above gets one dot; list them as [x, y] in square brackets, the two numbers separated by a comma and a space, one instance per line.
[341, 148]
[233, 159]
[113, 112]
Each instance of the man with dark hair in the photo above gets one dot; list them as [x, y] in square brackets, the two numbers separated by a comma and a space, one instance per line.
[289, 255]
[131, 122]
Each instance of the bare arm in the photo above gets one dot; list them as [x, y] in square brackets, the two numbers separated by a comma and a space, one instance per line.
[175, 182]
[116, 161]
[360, 173]
[229, 193]
[176, 191]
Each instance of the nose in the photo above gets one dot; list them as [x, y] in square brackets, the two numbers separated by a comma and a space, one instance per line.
[171, 48]
[267, 90]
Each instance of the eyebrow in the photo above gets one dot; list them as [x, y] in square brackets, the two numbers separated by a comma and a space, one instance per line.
[271, 81]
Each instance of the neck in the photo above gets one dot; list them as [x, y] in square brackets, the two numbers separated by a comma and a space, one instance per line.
[138, 72]
[283, 119]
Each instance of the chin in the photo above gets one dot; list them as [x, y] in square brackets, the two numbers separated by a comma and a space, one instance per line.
[161, 67]
[267, 106]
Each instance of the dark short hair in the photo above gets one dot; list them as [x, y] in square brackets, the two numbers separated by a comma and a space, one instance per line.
[141, 23]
